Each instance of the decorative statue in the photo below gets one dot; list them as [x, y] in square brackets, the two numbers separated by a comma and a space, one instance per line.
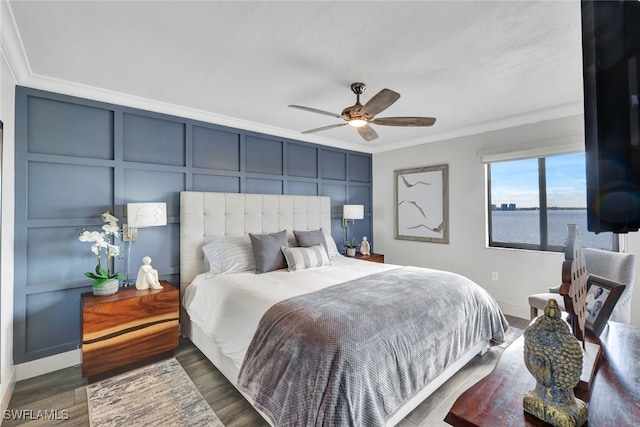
[147, 276]
[553, 356]
[365, 248]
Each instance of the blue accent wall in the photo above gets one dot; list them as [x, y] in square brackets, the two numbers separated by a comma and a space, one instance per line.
[77, 158]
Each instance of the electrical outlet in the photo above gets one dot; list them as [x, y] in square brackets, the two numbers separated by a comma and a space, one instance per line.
[494, 276]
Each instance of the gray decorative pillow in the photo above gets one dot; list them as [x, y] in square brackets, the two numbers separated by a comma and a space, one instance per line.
[307, 239]
[266, 249]
[303, 258]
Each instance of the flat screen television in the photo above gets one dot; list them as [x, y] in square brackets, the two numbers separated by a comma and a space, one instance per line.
[610, 47]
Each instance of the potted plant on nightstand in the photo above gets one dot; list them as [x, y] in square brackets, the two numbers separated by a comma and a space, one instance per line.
[351, 247]
[105, 281]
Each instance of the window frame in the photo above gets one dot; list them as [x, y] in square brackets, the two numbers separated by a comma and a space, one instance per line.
[544, 245]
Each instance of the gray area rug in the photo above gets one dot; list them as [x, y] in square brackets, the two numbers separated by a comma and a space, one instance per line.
[161, 394]
[512, 334]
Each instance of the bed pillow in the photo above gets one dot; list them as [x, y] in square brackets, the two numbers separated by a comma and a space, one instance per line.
[303, 258]
[332, 249]
[266, 249]
[306, 239]
[229, 255]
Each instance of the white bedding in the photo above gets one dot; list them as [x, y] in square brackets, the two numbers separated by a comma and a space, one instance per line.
[229, 307]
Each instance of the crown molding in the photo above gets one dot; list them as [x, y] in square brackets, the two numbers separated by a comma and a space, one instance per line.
[113, 97]
[98, 94]
[11, 45]
[553, 113]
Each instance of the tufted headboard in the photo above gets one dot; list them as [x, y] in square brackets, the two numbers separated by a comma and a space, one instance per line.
[208, 216]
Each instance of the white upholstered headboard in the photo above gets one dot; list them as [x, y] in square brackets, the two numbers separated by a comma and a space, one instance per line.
[208, 216]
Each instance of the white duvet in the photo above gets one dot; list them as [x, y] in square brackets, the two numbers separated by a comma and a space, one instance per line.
[229, 307]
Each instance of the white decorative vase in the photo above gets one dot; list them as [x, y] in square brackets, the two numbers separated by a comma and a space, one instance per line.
[365, 247]
[109, 287]
[351, 251]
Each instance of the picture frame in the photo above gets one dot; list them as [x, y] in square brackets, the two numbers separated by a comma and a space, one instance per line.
[602, 296]
[421, 204]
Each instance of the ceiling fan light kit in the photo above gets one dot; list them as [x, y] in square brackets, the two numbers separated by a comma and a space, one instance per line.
[357, 123]
[360, 116]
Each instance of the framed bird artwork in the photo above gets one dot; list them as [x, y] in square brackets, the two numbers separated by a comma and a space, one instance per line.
[421, 198]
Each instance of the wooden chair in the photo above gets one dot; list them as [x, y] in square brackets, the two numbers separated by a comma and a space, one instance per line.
[616, 266]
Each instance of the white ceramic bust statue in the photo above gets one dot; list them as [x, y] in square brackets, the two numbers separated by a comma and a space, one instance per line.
[365, 248]
[147, 276]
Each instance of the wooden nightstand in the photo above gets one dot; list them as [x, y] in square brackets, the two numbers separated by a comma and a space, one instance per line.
[128, 327]
[373, 257]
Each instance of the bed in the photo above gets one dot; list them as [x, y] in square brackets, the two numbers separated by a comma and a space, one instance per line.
[340, 344]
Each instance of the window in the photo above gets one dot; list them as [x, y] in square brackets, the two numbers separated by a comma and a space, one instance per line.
[531, 201]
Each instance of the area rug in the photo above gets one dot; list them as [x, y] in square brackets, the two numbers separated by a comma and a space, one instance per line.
[512, 334]
[161, 394]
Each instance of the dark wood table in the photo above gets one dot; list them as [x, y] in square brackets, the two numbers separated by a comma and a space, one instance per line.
[371, 257]
[496, 400]
[128, 327]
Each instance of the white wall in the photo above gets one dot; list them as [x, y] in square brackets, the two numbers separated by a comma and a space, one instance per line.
[520, 272]
[7, 96]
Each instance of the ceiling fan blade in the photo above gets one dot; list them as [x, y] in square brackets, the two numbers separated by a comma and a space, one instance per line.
[324, 128]
[380, 102]
[367, 133]
[405, 121]
[315, 110]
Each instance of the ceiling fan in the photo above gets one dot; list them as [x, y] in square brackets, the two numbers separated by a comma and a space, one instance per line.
[360, 116]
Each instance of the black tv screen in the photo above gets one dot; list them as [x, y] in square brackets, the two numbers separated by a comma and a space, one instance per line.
[610, 46]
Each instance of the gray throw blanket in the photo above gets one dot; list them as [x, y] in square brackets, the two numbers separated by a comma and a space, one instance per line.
[353, 353]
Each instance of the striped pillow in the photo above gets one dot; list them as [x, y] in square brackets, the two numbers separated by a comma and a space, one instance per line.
[229, 255]
[303, 258]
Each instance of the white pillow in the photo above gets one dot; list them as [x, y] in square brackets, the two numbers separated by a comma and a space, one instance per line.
[229, 255]
[332, 249]
[303, 258]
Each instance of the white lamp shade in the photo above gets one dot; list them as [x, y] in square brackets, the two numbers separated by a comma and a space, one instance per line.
[353, 211]
[142, 215]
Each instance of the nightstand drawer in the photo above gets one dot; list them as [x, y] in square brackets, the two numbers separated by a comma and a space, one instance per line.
[104, 318]
[128, 327]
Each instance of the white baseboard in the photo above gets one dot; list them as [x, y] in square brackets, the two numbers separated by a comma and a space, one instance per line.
[515, 310]
[6, 390]
[47, 364]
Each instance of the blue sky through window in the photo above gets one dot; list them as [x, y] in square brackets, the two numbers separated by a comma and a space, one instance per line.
[516, 182]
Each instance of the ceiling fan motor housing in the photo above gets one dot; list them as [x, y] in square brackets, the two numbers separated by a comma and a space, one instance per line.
[353, 112]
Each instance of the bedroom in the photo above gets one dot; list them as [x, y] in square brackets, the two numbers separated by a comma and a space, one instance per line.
[520, 272]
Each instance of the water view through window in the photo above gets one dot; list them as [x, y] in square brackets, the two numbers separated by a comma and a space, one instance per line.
[519, 188]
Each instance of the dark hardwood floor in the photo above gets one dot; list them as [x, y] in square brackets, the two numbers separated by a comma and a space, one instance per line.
[64, 391]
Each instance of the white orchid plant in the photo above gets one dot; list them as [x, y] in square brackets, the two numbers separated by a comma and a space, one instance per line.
[103, 241]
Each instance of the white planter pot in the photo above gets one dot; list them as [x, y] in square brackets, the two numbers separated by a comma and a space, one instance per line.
[351, 251]
[109, 287]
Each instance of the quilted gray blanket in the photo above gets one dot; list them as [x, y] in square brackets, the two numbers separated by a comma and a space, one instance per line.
[353, 353]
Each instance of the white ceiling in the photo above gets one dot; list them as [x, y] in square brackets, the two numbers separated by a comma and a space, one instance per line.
[475, 65]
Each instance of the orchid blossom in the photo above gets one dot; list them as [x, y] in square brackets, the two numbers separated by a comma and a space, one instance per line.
[103, 240]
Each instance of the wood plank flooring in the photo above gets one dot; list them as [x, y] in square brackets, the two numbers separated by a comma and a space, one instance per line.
[65, 390]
